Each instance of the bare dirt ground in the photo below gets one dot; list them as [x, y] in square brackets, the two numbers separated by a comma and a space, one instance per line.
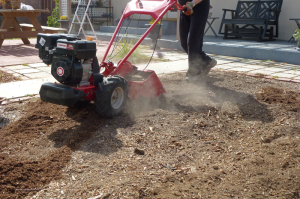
[233, 137]
[6, 77]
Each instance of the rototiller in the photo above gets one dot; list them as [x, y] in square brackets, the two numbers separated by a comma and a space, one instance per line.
[75, 65]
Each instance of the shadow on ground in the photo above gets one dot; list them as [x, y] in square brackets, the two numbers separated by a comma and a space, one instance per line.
[86, 125]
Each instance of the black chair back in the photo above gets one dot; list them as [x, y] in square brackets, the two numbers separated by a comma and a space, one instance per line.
[265, 5]
[246, 9]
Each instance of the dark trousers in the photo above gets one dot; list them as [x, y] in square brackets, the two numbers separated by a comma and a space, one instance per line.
[191, 30]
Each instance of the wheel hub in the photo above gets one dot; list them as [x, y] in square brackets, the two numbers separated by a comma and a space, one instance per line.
[117, 98]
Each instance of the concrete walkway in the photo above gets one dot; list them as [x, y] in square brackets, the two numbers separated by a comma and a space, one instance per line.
[34, 75]
[279, 50]
[14, 52]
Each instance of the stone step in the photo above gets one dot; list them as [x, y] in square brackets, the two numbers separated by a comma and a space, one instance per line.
[168, 27]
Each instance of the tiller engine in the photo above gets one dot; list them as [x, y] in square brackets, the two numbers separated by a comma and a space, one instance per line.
[75, 66]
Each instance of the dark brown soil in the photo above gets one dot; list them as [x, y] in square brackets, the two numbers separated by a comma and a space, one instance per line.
[6, 77]
[232, 137]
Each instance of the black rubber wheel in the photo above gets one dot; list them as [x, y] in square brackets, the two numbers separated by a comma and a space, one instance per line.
[111, 96]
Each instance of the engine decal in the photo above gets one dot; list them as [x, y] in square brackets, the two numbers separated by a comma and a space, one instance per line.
[42, 41]
[70, 46]
[62, 45]
[60, 71]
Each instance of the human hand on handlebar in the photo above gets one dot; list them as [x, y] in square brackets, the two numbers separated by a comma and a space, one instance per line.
[188, 8]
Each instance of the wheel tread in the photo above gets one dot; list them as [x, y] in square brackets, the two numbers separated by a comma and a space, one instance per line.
[103, 97]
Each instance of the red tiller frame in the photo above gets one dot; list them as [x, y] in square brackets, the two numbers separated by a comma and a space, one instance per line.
[155, 8]
[151, 86]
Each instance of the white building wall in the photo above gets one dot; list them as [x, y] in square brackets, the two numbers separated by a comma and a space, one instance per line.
[286, 26]
[118, 6]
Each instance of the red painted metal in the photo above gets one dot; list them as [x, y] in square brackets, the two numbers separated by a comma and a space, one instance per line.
[155, 8]
[109, 68]
[88, 90]
[150, 86]
[126, 69]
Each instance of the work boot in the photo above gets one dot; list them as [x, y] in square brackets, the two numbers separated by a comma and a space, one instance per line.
[209, 66]
[197, 78]
[192, 75]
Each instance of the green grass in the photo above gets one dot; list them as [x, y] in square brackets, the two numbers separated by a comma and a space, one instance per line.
[136, 57]
[29, 95]
[25, 64]
[266, 60]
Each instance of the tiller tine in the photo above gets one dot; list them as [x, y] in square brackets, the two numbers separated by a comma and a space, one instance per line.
[142, 83]
[150, 86]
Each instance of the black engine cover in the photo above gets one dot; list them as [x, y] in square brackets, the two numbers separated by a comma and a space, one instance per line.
[46, 42]
[65, 71]
[60, 94]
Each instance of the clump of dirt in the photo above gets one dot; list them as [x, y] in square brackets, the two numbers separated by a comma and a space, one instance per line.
[220, 139]
[6, 77]
[280, 96]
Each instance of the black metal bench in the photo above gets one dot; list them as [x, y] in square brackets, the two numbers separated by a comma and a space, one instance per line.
[257, 18]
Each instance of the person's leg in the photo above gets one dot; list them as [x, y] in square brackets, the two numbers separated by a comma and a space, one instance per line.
[184, 28]
[199, 62]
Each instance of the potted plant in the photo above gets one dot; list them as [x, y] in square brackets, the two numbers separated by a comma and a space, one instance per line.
[16, 4]
[6, 4]
[297, 38]
[64, 22]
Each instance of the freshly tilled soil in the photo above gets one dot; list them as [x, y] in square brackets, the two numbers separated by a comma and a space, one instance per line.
[230, 137]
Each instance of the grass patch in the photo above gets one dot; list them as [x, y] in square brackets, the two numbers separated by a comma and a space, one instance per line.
[30, 95]
[25, 64]
[137, 57]
[265, 60]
